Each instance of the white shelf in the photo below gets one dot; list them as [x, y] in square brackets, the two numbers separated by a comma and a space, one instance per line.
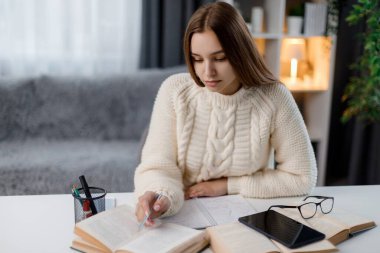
[302, 86]
[280, 36]
[267, 36]
[301, 36]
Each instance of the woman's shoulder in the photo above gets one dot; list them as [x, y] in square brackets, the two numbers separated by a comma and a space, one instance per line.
[271, 96]
[274, 89]
[178, 81]
[180, 86]
[277, 93]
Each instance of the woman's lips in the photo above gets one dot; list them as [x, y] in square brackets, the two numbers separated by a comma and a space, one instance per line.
[212, 83]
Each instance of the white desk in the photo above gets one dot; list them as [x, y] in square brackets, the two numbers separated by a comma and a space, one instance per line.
[45, 223]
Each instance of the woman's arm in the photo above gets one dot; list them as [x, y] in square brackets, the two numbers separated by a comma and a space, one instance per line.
[211, 188]
[296, 171]
[158, 171]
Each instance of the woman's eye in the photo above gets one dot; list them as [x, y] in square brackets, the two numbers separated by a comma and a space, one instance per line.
[197, 60]
[220, 59]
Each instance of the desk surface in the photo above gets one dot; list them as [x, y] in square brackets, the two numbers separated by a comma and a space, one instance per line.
[44, 223]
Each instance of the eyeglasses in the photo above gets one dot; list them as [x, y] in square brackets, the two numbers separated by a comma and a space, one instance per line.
[309, 209]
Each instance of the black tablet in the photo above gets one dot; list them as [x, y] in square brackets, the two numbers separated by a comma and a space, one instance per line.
[285, 230]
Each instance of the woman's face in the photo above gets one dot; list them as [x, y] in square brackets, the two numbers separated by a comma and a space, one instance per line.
[211, 64]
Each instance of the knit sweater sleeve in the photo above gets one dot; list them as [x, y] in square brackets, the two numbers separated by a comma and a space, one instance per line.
[296, 171]
[158, 170]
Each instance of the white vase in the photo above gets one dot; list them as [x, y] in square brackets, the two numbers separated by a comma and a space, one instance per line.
[294, 25]
[257, 16]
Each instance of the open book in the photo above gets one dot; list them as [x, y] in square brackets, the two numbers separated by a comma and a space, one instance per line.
[116, 230]
[337, 226]
[210, 211]
[238, 238]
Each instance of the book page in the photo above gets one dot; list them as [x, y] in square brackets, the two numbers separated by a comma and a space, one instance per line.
[211, 211]
[227, 209]
[350, 221]
[323, 246]
[339, 220]
[333, 231]
[112, 228]
[166, 238]
[236, 237]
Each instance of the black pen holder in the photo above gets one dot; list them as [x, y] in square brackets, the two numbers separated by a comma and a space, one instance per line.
[82, 204]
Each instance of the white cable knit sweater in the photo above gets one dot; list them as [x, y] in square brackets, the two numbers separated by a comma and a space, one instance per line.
[197, 135]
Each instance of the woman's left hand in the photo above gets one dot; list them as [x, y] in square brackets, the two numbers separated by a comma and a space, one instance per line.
[213, 188]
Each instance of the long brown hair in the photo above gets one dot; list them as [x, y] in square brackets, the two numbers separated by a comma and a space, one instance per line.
[235, 39]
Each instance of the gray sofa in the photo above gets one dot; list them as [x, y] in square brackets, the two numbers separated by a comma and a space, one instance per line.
[53, 129]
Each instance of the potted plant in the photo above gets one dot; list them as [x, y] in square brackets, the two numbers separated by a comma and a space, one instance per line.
[362, 93]
[295, 19]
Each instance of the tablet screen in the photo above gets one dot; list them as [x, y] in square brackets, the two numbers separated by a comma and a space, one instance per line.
[283, 229]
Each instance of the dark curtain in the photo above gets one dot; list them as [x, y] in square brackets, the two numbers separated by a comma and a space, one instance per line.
[163, 25]
[354, 147]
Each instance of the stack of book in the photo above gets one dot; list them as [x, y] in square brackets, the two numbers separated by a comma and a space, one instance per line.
[315, 19]
[117, 230]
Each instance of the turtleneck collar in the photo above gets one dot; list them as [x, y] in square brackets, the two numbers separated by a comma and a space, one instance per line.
[225, 101]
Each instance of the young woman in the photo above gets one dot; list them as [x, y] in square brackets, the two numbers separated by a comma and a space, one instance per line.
[212, 130]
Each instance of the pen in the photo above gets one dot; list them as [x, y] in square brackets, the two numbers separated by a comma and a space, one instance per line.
[141, 225]
[88, 194]
[76, 193]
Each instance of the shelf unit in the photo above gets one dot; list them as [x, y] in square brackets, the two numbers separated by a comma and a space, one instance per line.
[313, 93]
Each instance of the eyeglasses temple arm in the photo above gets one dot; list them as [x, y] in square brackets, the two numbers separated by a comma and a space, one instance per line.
[281, 206]
[318, 197]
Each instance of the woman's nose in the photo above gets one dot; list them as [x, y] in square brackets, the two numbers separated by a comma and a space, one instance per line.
[210, 69]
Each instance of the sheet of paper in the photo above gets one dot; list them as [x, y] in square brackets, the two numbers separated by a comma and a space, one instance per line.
[191, 215]
[210, 211]
[226, 209]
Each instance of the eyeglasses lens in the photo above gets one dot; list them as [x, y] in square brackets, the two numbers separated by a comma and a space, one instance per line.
[308, 210]
[327, 205]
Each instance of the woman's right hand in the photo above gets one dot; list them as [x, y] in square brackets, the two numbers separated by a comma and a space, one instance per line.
[148, 203]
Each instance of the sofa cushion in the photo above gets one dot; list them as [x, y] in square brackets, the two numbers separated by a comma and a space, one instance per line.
[45, 167]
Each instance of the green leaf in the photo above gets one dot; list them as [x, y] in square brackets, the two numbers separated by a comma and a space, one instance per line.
[352, 19]
[357, 8]
[362, 93]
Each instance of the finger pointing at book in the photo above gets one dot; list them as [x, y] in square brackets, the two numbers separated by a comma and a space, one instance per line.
[150, 205]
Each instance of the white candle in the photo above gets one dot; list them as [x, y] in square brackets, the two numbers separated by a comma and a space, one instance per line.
[293, 70]
[257, 15]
